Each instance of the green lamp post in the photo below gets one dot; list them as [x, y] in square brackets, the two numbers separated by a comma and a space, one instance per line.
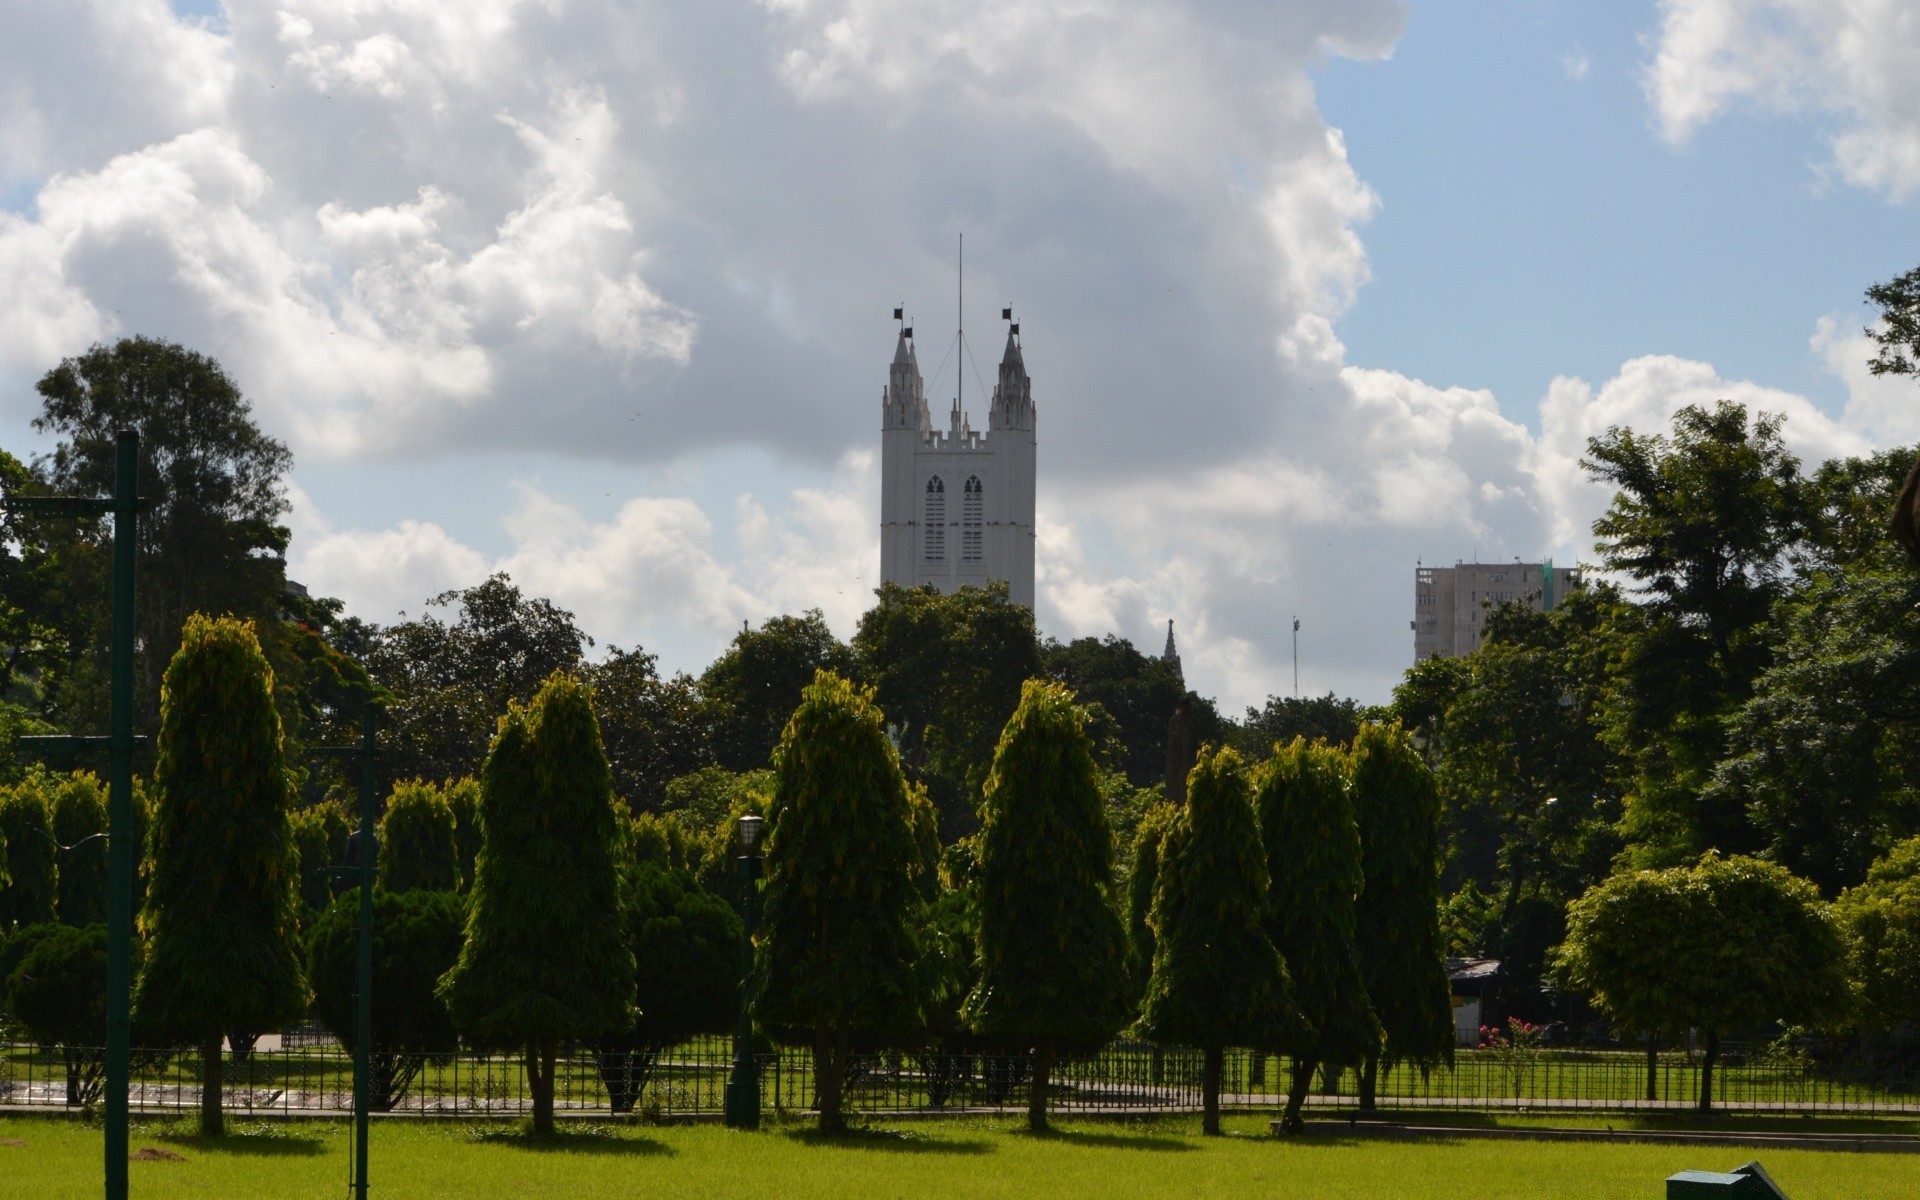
[743, 1085]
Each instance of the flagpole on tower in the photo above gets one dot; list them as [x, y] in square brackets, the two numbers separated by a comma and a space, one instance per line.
[1296, 658]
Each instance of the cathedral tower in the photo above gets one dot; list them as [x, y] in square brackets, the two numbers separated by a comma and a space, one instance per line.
[956, 505]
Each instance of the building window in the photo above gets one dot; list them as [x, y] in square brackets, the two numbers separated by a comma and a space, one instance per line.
[934, 527]
[972, 528]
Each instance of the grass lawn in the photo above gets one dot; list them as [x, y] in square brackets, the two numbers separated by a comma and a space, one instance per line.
[926, 1160]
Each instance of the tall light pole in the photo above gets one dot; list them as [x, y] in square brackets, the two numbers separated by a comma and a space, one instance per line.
[743, 1085]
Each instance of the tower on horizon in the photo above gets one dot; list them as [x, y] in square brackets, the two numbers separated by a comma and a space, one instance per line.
[956, 505]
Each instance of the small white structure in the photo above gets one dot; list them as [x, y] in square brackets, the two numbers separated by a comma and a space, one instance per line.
[956, 505]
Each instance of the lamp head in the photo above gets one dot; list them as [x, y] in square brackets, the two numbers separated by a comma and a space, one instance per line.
[749, 827]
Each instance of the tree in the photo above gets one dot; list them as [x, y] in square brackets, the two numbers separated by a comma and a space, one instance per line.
[78, 814]
[1313, 862]
[1328, 718]
[416, 938]
[449, 680]
[545, 958]
[1148, 841]
[1397, 928]
[320, 838]
[463, 797]
[419, 840]
[210, 534]
[58, 992]
[843, 900]
[752, 688]
[1702, 523]
[686, 953]
[1881, 922]
[222, 915]
[26, 830]
[1053, 956]
[1217, 979]
[1139, 692]
[1727, 942]
[656, 729]
[948, 668]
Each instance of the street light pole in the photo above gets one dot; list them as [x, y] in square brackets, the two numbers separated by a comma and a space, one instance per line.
[743, 1085]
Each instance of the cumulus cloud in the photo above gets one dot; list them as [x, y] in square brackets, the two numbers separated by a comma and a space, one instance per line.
[1854, 63]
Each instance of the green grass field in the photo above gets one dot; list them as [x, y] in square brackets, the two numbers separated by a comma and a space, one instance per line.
[54, 1159]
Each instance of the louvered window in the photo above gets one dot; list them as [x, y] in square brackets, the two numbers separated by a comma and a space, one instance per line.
[972, 523]
[934, 528]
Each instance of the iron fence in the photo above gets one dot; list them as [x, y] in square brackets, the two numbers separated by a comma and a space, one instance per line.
[316, 1077]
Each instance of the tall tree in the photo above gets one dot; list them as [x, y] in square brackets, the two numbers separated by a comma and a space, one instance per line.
[1139, 692]
[1217, 979]
[1702, 523]
[1053, 956]
[79, 820]
[1328, 718]
[449, 680]
[1881, 922]
[947, 669]
[656, 729]
[1148, 842]
[843, 901]
[210, 535]
[546, 958]
[1313, 862]
[1397, 923]
[754, 687]
[222, 913]
[1725, 943]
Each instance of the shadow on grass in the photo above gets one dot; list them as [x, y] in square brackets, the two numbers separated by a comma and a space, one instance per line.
[265, 1142]
[574, 1141]
[1110, 1141]
[889, 1141]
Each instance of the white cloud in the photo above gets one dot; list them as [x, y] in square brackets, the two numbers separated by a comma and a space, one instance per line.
[1576, 64]
[1855, 63]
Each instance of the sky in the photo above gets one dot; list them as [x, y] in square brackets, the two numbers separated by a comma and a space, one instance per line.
[598, 292]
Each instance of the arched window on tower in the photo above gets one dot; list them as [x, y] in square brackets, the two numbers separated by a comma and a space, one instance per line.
[934, 528]
[972, 526]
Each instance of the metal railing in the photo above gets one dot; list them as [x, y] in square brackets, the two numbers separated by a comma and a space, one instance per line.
[690, 1080]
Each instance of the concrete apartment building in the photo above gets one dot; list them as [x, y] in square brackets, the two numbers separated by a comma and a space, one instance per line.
[1450, 604]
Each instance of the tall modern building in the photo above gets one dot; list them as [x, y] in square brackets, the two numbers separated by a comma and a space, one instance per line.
[956, 505]
[1450, 604]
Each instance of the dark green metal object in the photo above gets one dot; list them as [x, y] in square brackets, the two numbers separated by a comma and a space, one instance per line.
[119, 744]
[1750, 1182]
[743, 1085]
[367, 868]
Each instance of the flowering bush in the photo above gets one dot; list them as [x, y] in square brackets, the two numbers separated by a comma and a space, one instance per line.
[1516, 1049]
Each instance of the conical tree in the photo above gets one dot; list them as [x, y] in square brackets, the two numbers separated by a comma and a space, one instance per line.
[222, 911]
[418, 846]
[1398, 920]
[545, 958]
[843, 903]
[1147, 840]
[1053, 956]
[1217, 979]
[1313, 868]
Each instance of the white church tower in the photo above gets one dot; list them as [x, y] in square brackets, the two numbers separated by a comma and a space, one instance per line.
[956, 505]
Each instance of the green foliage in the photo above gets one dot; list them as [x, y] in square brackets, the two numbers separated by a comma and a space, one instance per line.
[419, 840]
[1141, 882]
[1897, 332]
[26, 829]
[416, 938]
[1053, 955]
[842, 899]
[655, 729]
[1138, 691]
[221, 917]
[320, 838]
[545, 955]
[58, 993]
[1327, 718]
[1702, 524]
[210, 538]
[1312, 842]
[1881, 922]
[1217, 979]
[1725, 943]
[1397, 929]
[752, 688]
[79, 818]
[449, 680]
[463, 797]
[948, 669]
[714, 796]
[686, 953]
